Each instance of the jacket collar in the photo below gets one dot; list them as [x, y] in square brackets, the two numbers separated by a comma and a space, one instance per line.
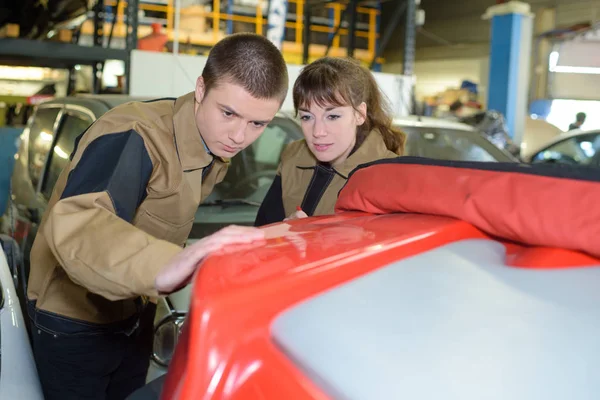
[373, 148]
[192, 151]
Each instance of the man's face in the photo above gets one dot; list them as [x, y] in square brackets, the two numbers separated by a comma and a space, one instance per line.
[229, 118]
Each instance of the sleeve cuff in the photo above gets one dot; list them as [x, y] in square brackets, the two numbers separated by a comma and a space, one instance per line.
[155, 257]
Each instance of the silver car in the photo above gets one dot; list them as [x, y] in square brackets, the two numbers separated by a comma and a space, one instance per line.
[18, 373]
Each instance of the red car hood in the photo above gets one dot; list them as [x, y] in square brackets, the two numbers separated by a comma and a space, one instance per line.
[331, 307]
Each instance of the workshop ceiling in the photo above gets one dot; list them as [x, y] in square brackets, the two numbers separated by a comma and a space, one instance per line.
[453, 27]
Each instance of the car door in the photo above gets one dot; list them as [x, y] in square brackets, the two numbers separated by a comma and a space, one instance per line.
[581, 149]
[52, 150]
[73, 122]
[26, 207]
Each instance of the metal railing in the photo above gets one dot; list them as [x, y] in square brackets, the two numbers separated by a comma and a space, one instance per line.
[291, 50]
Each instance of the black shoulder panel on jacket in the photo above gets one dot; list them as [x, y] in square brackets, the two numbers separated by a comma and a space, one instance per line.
[118, 164]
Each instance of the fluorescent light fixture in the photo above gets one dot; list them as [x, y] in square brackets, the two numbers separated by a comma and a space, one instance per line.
[576, 70]
[565, 69]
[21, 73]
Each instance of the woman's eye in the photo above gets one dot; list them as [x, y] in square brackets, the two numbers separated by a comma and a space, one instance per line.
[333, 117]
[304, 118]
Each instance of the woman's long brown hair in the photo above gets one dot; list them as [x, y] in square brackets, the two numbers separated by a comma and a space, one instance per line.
[339, 82]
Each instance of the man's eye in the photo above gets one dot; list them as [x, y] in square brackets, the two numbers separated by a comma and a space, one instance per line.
[227, 113]
[258, 124]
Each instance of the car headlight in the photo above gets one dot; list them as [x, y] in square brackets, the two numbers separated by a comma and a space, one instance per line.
[166, 335]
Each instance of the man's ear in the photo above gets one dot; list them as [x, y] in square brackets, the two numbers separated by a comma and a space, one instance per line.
[200, 89]
[361, 113]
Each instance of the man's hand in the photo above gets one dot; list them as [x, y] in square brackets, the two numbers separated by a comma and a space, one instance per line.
[179, 271]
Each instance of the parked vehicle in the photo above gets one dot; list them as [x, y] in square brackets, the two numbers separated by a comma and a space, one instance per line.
[18, 373]
[405, 294]
[537, 134]
[448, 140]
[576, 147]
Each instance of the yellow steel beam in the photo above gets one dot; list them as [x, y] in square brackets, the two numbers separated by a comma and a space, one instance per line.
[372, 32]
[337, 17]
[299, 20]
[291, 48]
[216, 15]
[170, 14]
[259, 18]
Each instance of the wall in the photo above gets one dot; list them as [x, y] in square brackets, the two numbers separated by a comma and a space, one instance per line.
[165, 75]
[582, 86]
[434, 76]
[455, 37]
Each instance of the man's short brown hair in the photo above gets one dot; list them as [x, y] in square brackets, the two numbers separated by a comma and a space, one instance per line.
[248, 60]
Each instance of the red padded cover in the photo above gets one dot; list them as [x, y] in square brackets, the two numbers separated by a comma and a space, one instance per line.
[545, 205]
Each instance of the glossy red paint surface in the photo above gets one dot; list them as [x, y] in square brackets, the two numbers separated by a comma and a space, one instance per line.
[226, 351]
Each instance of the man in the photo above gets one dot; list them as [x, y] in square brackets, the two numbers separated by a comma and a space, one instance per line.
[112, 235]
[579, 121]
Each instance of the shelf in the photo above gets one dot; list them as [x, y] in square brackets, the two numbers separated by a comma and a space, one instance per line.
[54, 54]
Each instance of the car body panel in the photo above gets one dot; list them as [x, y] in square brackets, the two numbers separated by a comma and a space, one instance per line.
[558, 139]
[536, 136]
[445, 316]
[18, 372]
[243, 299]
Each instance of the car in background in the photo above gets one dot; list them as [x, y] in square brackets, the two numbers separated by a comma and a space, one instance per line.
[537, 134]
[18, 373]
[577, 147]
[444, 139]
[236, 199]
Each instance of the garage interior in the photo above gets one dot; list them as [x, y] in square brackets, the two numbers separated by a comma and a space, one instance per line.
[513, 83]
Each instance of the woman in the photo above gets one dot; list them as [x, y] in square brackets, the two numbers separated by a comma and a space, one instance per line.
[345, 124]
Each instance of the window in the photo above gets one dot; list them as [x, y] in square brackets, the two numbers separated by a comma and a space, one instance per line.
[577, 150]
[72, 125]
[268, 147]
[41, 135]
[447, 144]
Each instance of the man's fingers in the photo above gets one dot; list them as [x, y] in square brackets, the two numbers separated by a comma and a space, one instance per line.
[301, 214]
[185, 264]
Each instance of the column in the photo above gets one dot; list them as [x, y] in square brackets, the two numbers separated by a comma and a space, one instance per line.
[510, 61]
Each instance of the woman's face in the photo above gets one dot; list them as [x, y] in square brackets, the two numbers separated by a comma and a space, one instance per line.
[330, 132]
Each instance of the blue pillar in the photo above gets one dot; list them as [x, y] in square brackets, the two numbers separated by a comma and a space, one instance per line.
[229, 29]
[510, 59]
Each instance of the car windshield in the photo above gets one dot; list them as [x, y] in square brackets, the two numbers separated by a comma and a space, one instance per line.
[252, 171]
[451, 144]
